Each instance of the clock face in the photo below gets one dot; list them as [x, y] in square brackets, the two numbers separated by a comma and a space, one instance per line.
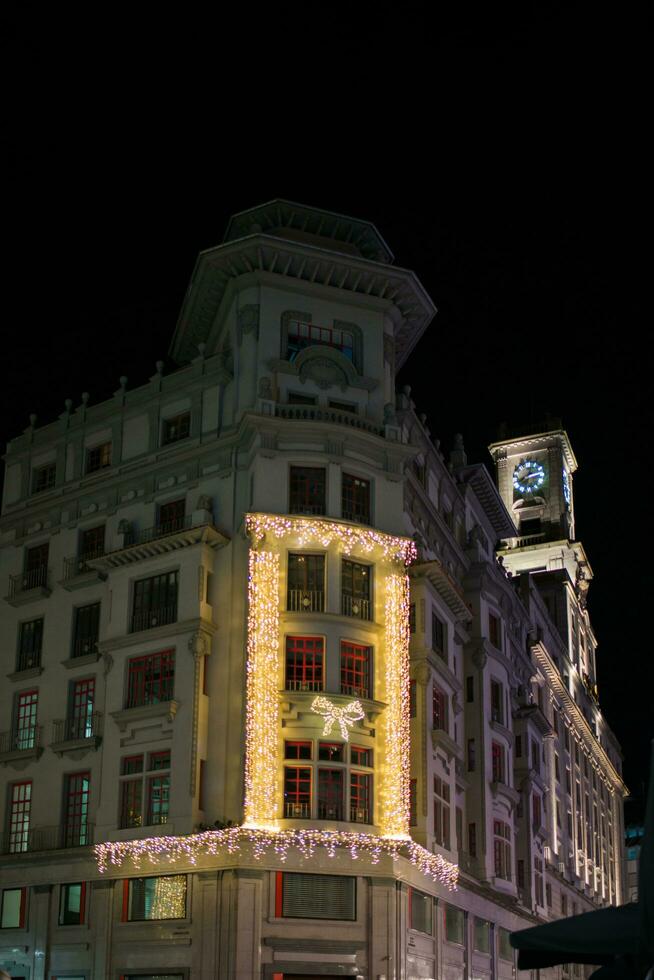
[566, 487]
[528, 476]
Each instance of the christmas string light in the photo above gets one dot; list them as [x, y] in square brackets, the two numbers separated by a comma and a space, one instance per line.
[332, 714]
[351, 537]
[395, 783]
[262, 711]
[264, 843]
[169, 899]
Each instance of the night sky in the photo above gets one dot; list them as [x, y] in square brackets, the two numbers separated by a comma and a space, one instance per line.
[504, 160]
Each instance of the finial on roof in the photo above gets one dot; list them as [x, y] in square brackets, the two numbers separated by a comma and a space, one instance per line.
[123, 381]
[159, 366]
[68, 404]
[85, 397]
[458, 456]
[32, 420]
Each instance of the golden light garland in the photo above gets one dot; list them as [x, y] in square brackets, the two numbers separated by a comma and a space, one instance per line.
[169, 900]
[351, 537]
[262, 711]
[190, 849]
[332, 714]
[395, 784]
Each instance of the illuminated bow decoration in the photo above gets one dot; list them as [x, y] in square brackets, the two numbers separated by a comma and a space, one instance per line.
[345, 716]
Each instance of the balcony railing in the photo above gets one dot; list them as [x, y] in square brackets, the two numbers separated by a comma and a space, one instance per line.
[83, 646]
[77, 564]
[304, 685]
[309, 508]
[151, 618]
[74, 729]
[355, 606]
[21, 739]
[46, 838]
[35, 578]
[303, 600]
[355, 690]
[297, 811]
[359, 815]
[28, 659]
[162, 530]
[330, 811]
[313, 413]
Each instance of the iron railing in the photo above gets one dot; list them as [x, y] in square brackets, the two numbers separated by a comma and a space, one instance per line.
[151, 618]
[297, 811]
[304, 685]
[355, 606]
[76, 728]
[83, 646]
[359, 815]
[47, 838]
[77, 564]
[304, 600]
[162, 530]
[35, 578]
[28, 659]
[355, 690]
[330, 811]
[21, 739]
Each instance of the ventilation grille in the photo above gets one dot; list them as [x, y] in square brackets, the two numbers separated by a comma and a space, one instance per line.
[319, 896]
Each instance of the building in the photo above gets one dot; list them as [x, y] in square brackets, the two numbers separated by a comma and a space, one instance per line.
[240, 742]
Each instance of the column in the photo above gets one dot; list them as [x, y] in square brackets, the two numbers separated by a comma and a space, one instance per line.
[40, 916]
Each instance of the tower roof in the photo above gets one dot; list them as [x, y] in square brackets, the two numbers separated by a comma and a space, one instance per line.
[525, 442]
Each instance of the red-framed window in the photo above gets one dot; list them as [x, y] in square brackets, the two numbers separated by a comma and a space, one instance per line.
[172, 515]
[297, 750]
[297, 791]
[302, 334]
[25, 723]
[72, 904]
[355, 669]
[13, 908]
[131, 803]
[304, 663]
[360, 797]
[441, 812]
[20, 807]
[82, 701]
[331, 751]
[439, 709]
[330, 794]
[359, 756]
[309, 896]
[499, 762]
[150, 678]
[158, 788]
[175, 428]
[77, 792]
[91, 542]
[162, 897]
[502, 849]
[355, 499]
[308, 490]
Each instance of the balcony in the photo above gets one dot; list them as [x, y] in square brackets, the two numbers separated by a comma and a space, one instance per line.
[85, 646]
[151, 618]
[20, 745]
[134, 537]
[79, 573]
[73, 734]
[355, 606]
[303, 600]
[330, 811]
[334, 416]
[359, 815]
[297, 811]
[28, 586]
[356, 690]
[47, 838]
[28, 660]
[303, 685]
[159, 540]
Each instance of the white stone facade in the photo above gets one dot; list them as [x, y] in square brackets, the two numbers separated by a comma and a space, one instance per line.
[124, 564]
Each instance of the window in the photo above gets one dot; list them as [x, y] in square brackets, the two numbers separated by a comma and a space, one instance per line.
[131, 792]
[331, 751]
[438, 636]
[72, 901]
[499, 762]
[505, 947]
[30, 639]
[308, 490]
[355, 670]
[44, 477]
[330, 794]
[308, 896]
[306, 583]
[355, 502]
[175, 428]
[471, 755]
[355, 589]
[538, 881]
[470, 689]
[441, 812]
[481, 935]
[343, 406]
[439, 709]
[360, 797]
[421, 912]
[77, 789]
[502, 849]
[518, 746]
[91, 542]
[158, 788]
[360, 756]
[413, 803]
[86, 630]
[458, 824]
[564, 904]
[82, 702]
[297, 792]
[301, 334]
[25, 730]
[150, 678]
[171, 516]
[296, 399]
[497, 702]
[155, 601]
[98, 458]
[521, 874]
[537, 810]
[495, 630]
[304, 663]
[297, 750]
[20, 805]
[14, 903]
[548, 895]
[472, 839]
[454, 924]
[557, 768]
[154, 898]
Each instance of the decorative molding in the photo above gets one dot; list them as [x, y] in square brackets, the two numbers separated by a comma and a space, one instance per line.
[247, 321]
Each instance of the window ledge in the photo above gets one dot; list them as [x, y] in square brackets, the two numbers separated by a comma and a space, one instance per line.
[156, 633]
[144, 712]
[501, 789]
[89, 658]
[28, 595]
[23, 675]
[441, 739]
[504, 885]
[90, 577]
[501, 729]
[20, 756]
[297, 703]
[73, 745]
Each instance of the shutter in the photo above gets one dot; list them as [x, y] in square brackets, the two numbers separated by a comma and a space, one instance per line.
[319, 896]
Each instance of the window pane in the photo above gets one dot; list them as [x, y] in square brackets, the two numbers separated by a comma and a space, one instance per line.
[304, 663]
[157, 898]
[12, 901]
[356, 499]
[306, 583]
[307, 490]
[306, 896]
[481, 935]
[421, 912]
[453, 924]
[355, 670]
[70, 905]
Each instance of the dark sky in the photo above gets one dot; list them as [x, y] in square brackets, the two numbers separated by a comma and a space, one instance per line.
[505, 159]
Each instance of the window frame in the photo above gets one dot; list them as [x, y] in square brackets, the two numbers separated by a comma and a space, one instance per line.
[168, 424]
[103, 461]
[19, 815]
[279, 898]
[32, 650]
[357, 653]
[355, 511]
[22, 909]
[307, 492]
[301, 598]
[166, 678]
[128, 898]
[82, 903]
[428, 903]
[49, 483]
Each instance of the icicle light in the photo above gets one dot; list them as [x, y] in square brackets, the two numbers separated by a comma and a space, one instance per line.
[394, 815]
